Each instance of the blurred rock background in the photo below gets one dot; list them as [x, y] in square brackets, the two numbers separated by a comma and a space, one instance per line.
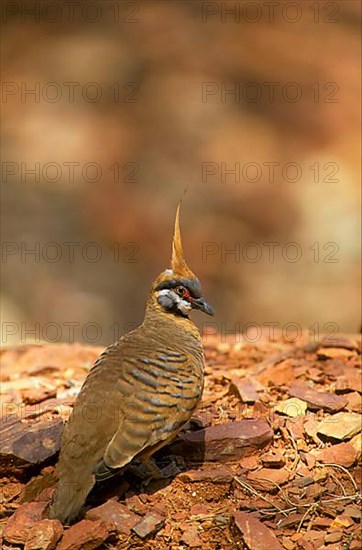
[134, 101]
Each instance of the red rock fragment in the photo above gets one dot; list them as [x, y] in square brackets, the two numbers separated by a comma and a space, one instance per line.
[350, 381]
[199, 510]
[353, 511]
[322, 523]
[31, 396]
[180, 516]
[277, 375]
[336, 536]
[26, 443]
[201, 418]
[256, 535]
[224, 442]
[340, 426]
[191, 537]
[160, 507]
[149, 525]
[311, 429]
[273, 459]
[292, 519]
[315, 491]
[304, 481]
[295, 427]
[302, 470]
[354, 402]
[44, 535]
[115, 513]
[311, 540]
[341, 522]
[334, 368]
[144, 498]
[343, 454]
[135, 504]
[85, 534]
[250, 462]
[269, 478]
[309, 459]
[245, 388]
[318, 400]
[287, 543]
[215, 475]
[314, 373]
[20, 523]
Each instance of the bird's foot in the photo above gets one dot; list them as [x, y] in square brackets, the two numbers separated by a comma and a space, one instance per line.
[170, 470]
[149, 471]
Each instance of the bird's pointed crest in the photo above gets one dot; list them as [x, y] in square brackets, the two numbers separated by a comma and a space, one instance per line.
[179, 268]
[178, 262]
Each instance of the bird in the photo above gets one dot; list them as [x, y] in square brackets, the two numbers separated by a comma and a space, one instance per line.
[140, 391]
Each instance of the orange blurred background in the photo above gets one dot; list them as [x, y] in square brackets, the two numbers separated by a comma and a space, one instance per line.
[111, 109]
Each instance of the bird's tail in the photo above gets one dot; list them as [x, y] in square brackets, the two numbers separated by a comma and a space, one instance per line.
[70, 496]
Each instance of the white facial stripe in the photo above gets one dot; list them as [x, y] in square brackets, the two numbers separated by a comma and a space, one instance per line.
[182, 305]
[165, 292]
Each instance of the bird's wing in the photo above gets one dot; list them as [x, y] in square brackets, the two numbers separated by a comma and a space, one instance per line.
[168, 390]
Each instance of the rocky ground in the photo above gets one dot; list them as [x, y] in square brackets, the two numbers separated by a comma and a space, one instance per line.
[269, 461]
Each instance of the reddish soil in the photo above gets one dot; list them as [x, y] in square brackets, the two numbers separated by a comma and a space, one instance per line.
[270, 459]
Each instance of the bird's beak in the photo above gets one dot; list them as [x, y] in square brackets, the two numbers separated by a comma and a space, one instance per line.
[201, 304]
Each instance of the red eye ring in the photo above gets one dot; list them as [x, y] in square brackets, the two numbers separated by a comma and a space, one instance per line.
[181, 291]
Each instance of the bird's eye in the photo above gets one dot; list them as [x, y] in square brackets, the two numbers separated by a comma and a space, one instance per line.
[180, 290]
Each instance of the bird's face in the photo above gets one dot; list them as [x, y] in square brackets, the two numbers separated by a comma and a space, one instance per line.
[181, 295]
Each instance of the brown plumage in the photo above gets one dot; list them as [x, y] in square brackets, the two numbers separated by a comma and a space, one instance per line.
[140, 391]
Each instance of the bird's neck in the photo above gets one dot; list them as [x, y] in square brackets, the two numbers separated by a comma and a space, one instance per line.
[156, 317]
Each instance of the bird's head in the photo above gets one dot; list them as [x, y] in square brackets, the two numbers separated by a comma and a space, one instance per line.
[177, 290]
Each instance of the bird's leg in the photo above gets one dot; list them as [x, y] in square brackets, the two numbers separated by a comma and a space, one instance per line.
[148, 470]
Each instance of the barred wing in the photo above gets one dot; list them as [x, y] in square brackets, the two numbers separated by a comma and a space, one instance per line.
[169, 388]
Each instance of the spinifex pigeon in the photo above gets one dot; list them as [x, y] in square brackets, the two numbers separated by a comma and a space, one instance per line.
[140, 391]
